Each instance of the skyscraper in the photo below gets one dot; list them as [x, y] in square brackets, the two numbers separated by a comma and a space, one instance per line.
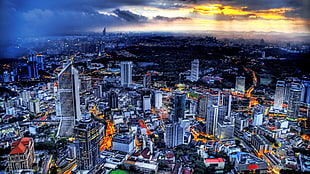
[293, 103]
[305, 93]
[69, 100]
[158, 99]
[240, 84]
[146, 102]
[87, 141]
[113, 100]
[179, 107]
[194, 70]
[212, 120]
[32, 66]
[279, 95]
[174, 135]
[202, 106]
[126, 73]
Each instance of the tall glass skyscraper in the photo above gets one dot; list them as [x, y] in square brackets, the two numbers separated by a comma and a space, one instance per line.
[69, 100]
[240, 84]
[194, 70]
[179, 107]
[126, 73]
[293, 103]
[279, 95]
[87, 143]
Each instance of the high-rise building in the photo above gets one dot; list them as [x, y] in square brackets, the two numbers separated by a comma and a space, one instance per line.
[158, 99]
[123, 142]
[258, 119]
[174, 135]
[69, 100]
[294, 103]
[34, 105]
[225, 130]
[240, 84]
[202, 106]
[146, 103]
[87, 139]
[279, 95]
[179, 107]
[126, 73]
[212, 120]
[113, 100]
[22, 154]
[305, 92]
[195, 70]
[32, 66]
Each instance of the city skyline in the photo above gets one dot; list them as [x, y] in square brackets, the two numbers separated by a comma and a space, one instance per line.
[35, 17]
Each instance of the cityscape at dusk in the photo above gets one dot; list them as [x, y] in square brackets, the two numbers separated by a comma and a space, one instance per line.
[155, 87]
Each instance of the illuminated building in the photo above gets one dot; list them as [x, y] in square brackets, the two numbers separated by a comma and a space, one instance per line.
[217, 163]
[305, 92]
[123, 143]
[258, 119]
[225, 130]
[87, 140]
[174, 135]
[179, 107]
[240, 84]
[279, 95]
[261, 144]
[146, 102]
[158, 99]
[293, 103]
[248, 163]
[22, 154]
[69, 100]
[194, 70]
[34, 105]
[212, 120]
[126, 73]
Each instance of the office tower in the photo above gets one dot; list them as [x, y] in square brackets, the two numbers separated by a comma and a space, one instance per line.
[194, 70]
[179, 107]
[258, 119]
[146, 103]
[147, 80]
[87, 140]
[174, 135]
[32, 66]
[202, 106]
[158, 99]
[104, 31]
[226, 100]
[123, 142]
[69, 100]
[6, 77]
[126, 73]
[22, 154]
[212, 120]
[293, 103]
[279, 95]
[34, 105]
[305, 92]
[113, 100]
[240, 84]
[225, 130]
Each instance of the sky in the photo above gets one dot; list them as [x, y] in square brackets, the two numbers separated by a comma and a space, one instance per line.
[49, 17]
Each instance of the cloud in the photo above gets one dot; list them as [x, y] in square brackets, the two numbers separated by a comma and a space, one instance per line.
[163, 18]
[129, 16]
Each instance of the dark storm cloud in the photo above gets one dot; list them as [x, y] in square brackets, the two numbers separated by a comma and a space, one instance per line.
[163, 18]
[43, 17]
[129, 16]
